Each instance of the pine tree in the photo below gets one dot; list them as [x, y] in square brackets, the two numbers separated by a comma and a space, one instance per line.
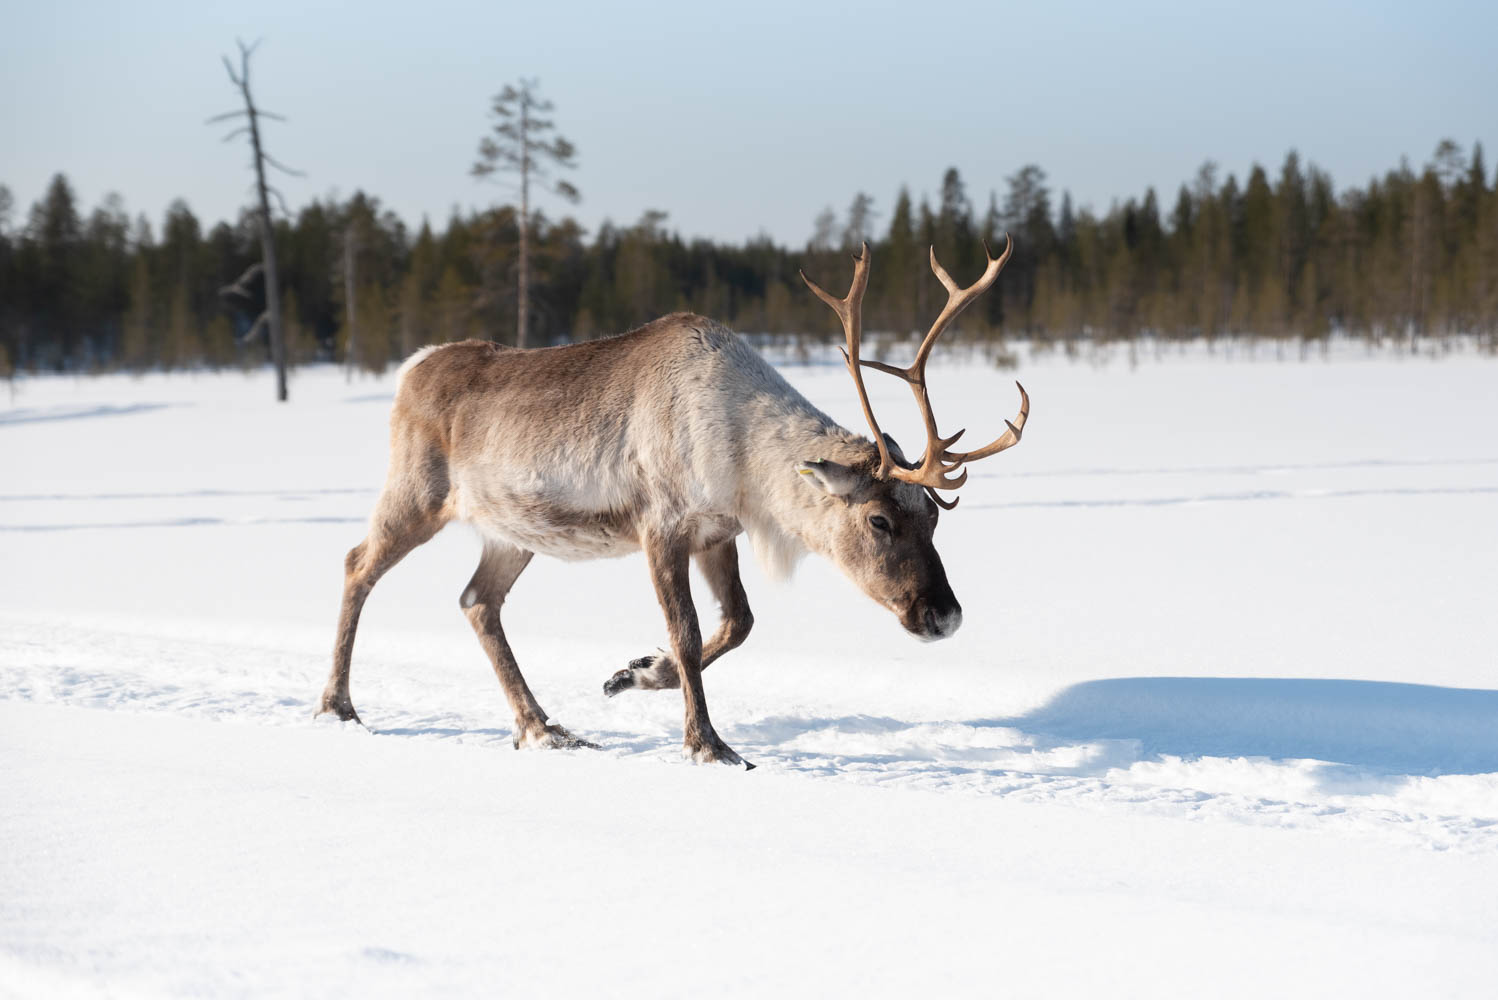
[860, 226]
[954, 237]
[925, 239]
[135, 333]
[8, 279]
[453, 307]
[418, 288]
[1211, 280]
[300, 348]
[823, 231]
[1292, 230]
[641, 282]
[1477, 172]
[525, 143]
[1485, 249]
[993, 238]
[377, 347]
[1257, 255]
[217, 342]
[1027, 216]
[1067, 318]
[1149, 263]
[104, 272]
[8, 299]
[56, 232]
[411, 311]
[901, 268]
[177, 343]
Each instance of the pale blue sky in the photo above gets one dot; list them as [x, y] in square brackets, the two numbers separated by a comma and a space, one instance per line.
[738, 118]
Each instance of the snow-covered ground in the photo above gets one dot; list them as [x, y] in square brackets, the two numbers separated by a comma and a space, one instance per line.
[1222, 718]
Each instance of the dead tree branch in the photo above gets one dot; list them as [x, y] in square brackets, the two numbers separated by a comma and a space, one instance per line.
[270, 319]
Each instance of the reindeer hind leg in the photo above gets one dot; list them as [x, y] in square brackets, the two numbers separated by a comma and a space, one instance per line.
[482, 599]
[404, 517]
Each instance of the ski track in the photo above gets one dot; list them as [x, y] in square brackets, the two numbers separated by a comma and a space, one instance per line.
[318, 494]
[270, 685]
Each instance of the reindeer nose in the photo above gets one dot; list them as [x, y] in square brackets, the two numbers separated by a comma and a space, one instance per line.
[940, 624]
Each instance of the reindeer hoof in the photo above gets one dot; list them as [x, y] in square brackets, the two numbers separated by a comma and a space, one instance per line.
[344, 709]
[648, 673]
[714, 751]
[622, 680]
[550, 738]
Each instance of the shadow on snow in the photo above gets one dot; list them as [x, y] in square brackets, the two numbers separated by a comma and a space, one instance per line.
[1389, 728]
[1364, 736]
[37, 416]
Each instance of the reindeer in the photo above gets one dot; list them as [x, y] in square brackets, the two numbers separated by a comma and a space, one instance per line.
[673, 438]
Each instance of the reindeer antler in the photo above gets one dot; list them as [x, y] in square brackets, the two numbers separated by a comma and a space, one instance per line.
[849, 309]
[938, 466]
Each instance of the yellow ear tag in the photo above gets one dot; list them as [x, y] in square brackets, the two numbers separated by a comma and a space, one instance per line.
[804, 472]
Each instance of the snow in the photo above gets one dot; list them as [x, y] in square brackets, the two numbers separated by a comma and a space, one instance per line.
[1221, 718]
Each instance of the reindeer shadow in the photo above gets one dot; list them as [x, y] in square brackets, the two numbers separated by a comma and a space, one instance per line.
[1365, 736]
[1373, 726]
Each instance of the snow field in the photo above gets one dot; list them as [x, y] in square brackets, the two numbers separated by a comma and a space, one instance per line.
[1221, 716]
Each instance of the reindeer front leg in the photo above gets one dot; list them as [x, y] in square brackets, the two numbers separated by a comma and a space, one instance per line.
[720, 567]
[669, 560]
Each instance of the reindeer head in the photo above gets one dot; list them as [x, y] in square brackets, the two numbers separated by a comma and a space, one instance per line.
[879, 533]
[879, 511]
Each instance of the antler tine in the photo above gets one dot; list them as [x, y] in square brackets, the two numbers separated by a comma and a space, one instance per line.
[940, 468]
[850, 310]
[934, 471]
[1008, 439]
[959, 298]
[839, 306]
[943, 504]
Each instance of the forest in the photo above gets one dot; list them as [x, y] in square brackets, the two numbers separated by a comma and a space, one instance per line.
[1285, 255]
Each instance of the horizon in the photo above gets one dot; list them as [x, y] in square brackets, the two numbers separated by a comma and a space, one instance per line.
[84, 204]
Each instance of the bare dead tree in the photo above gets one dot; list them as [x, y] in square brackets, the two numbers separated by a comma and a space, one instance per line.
[523, 143]
[238, 295]
[270, 319]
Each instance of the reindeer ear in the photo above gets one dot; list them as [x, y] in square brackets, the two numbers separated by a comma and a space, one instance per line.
[896, 454]
[838, 480]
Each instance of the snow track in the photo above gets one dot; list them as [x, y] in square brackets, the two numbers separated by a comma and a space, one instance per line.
[1282, 753]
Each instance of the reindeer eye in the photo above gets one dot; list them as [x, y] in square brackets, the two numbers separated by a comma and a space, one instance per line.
[880, 523]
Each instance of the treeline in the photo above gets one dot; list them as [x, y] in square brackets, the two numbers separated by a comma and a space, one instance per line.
[1411, 255]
